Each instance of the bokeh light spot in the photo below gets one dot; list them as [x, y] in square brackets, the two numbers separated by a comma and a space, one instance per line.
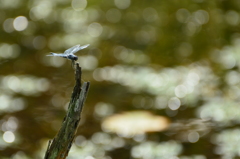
[8, 25]
[79, 5]
[122, 4]
[10, 125]
[232, 17]
[14, 83]
[20, 23]
[183, 15]
[88, 62]
[41, 10]
[5, 101]
[113, 15]
[201, 16]
[8, 51]
[103, 109]
[17, 104]
[185, 49]
[174, 103]
[9, 3]
[193, 137]
[39, 42]
[80, 140]
[8, 137]
[180, 91]
[57, 62]
[143, 37]
[150, 15]
[95, 29]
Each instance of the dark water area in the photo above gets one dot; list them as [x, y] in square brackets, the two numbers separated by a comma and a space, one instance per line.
[164, 77]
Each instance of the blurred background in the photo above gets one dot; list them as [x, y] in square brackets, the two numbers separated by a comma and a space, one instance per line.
[164, 77]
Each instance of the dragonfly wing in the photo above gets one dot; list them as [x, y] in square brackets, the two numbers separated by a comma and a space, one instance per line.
[79, 48]
[70, 50]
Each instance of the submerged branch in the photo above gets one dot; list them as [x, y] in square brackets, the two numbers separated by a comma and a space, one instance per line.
[59, 147]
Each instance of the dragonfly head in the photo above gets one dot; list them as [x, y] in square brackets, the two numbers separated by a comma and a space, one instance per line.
[73, 57]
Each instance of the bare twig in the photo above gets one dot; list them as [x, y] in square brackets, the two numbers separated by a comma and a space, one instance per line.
[59, 147]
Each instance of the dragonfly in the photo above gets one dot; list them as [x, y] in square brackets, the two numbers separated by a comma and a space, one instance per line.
[69, 53]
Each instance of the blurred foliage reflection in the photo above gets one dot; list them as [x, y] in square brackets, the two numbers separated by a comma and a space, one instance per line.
[164, 77]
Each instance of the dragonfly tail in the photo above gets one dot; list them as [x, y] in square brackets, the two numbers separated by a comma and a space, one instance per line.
[52, 54]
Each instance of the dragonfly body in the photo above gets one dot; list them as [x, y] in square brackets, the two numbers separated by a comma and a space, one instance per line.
[69, 53]
[70, 56]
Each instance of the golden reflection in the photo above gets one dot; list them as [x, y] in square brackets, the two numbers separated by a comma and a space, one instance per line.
[132, 123]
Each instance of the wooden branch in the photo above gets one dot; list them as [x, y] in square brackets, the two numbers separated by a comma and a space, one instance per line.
[59, 147]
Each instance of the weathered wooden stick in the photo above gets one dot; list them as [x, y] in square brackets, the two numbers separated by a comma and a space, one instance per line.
[59, 147]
